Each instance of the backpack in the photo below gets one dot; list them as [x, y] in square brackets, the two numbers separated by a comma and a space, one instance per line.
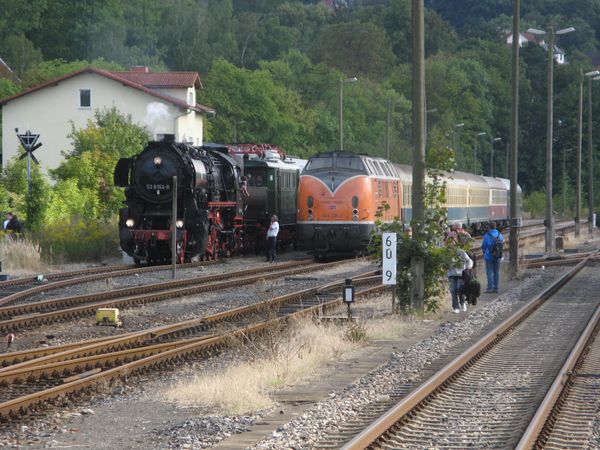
[497, 248]
[471, 288]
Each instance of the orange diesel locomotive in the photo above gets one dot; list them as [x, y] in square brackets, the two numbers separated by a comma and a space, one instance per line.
[339, 198]
[341, 194]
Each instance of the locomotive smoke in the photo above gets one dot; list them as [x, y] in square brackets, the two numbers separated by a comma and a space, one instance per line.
[155, 113]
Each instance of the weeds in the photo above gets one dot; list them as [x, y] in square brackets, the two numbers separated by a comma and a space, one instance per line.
[20, 254]
[280, 359]
[356, 332]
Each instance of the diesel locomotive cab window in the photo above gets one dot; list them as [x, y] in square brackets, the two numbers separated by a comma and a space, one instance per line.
[349, 162]
[319, 163]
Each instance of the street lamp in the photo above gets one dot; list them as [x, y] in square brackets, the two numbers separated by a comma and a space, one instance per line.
[550, 243]
[496, 139]
[483, 133]
[235, 124]
[454, 127]
[593, 73]
[591, 77]
[342, 81]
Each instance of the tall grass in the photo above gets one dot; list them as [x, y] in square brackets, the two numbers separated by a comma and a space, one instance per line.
[20, 254]
[246, 388]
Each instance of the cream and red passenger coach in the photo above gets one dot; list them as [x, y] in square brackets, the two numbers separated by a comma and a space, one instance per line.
[342, 194]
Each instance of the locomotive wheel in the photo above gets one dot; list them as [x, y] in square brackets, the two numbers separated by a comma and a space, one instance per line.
[137, 262]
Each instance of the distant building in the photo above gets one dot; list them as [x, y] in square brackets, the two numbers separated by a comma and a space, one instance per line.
[163, 102]
[526, 38]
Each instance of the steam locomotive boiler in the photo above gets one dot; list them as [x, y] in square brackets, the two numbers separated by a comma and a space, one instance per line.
[209, 210]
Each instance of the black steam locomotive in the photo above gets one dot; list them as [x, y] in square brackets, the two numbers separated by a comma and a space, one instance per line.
[209, 218]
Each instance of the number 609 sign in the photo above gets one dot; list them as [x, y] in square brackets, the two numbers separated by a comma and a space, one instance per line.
[389, 258]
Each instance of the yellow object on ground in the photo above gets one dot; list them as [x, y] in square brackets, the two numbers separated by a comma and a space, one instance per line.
[108, 316]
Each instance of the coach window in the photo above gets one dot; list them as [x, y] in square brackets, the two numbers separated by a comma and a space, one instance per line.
[85, 98]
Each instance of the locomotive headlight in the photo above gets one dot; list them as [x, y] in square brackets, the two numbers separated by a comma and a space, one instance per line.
[157, 161]
[310, 217]
[355, 211]
[310, 211]
[130, 223]
[355, 217]
[179, 224]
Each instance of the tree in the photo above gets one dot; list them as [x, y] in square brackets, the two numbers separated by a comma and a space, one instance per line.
[91, 163]
[356, 49]
[271, 113]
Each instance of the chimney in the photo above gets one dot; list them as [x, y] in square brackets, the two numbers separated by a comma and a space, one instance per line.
[143, 69]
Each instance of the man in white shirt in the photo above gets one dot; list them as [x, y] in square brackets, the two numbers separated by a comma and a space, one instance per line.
[272, 238]
[9, 216]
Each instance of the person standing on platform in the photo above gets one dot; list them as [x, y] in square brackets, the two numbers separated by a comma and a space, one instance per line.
[272, 238]
[492, 247]
[455, 273]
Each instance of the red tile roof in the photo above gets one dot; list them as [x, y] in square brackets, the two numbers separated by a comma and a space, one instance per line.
[113, 76]
[163, 79]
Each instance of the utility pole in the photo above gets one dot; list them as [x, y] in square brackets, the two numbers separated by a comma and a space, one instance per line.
[564, 176]
[578, 161]
[514, 139]
[549, 222]
[387, 133]
[550, 244]
[494, 139]
[418, 176]
[590, 161]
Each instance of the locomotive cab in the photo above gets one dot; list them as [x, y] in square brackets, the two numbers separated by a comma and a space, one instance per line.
[335, 207]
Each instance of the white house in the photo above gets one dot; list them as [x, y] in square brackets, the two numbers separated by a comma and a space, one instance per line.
[163, 102]
[526, 38]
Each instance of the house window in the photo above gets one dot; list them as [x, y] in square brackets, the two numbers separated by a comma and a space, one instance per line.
[85, 98]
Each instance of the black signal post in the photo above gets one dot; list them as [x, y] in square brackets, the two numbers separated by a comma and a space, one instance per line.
[29, 141]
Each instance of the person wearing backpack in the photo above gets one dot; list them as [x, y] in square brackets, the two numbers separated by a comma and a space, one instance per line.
[461, 262]
[492, 247]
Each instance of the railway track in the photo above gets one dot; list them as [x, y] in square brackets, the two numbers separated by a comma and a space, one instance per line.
[20, 289]
[16, 317]
[487, 396]
[29, 385]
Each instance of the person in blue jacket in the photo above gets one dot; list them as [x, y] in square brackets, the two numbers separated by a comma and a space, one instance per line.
[492, 244]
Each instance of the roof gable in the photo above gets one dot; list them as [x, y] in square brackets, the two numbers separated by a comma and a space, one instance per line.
[114, 77]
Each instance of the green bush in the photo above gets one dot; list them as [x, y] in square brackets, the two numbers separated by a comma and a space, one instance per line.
[79, 241]
[535, 204]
